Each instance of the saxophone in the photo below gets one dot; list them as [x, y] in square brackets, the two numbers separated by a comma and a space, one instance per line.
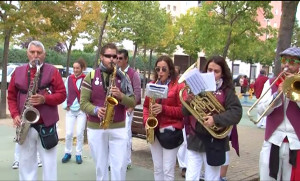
[151, 123]
[110, 101]
[30, 115]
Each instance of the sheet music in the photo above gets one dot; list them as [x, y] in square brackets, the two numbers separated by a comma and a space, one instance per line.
[199, 82]
[156, 91]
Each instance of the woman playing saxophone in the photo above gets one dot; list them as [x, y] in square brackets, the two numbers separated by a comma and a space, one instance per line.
[168, 113]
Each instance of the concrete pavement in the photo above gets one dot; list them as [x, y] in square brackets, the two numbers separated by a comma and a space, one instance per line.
[244, 167]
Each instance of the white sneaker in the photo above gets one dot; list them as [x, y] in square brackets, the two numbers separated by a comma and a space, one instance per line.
[40, 164]
[15, 165]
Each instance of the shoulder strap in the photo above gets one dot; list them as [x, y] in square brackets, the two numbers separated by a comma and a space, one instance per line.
[92, 74]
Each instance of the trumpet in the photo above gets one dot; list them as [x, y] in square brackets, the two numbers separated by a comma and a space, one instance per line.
[291, 88]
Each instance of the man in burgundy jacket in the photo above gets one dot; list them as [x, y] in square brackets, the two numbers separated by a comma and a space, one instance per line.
[50, 93]
[258, 87]
[280, 155]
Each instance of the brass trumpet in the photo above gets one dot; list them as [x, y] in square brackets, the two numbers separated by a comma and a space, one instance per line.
[291, 88]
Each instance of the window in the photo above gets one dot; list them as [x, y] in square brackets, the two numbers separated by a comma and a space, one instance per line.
[168, 7]
[174, 8]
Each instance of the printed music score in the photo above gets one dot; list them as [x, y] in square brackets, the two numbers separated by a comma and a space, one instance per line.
[199, 82]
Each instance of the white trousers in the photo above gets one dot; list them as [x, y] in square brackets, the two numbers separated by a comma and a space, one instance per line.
[129, 117]
[285, 168]
[195, 161]
[17, 154]
[28, 165]
[181, 155]
[71, 118]
[164, 161]
[108, 145]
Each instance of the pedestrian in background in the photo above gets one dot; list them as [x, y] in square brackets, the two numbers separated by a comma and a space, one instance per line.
[136, 85]
[73, 114]
[258, 87]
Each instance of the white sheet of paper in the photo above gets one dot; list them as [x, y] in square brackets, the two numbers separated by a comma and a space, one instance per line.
[156, 91]
[199, 82]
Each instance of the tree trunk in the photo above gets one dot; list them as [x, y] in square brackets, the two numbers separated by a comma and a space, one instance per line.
[144, 73]
[96, 62]
[287, 21]
[134, 55]
[4, 73]
[68, 59]
[225, 51]
[149, 68]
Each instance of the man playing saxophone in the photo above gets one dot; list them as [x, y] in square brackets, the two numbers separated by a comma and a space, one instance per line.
[280, 155]
[107, 141]
[22, 80]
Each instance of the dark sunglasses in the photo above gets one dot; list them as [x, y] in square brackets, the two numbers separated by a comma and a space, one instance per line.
[120, 58]
[164, 69]
[290, 61]
[109, 56]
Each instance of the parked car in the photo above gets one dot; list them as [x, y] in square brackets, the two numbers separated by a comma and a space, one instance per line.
[10, 70]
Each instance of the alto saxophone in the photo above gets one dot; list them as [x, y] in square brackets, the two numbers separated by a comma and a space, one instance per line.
[30, 115]
[110, 101]
[151, 123]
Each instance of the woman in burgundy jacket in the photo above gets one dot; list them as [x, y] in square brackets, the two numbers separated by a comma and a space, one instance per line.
[170, 121]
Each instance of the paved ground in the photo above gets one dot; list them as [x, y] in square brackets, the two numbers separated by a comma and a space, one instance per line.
[244, 167]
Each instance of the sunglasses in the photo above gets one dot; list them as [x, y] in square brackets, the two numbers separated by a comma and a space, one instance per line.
[290, 61]
[109, 56]
[120, 58]
[164, 69]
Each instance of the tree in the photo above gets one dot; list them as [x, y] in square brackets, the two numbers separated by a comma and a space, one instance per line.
[288, 17]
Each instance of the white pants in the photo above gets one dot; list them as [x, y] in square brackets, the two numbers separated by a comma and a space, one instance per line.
[108, 145]
[285, 168]
[129, 141]
[195, 161]
[17, 154]
[164, 161]
[181, 155]
[71, 118]
[28, 166]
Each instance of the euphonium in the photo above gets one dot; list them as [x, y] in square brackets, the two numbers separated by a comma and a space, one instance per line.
[110, 101]
[204, 104]
[151, 123]
[30, 115]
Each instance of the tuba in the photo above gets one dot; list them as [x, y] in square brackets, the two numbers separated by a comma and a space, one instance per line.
[291, 88]
[204, 104]
[30, 115]
[110, 101]
[151, 123]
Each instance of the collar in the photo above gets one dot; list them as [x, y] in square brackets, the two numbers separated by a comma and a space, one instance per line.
[125, 70]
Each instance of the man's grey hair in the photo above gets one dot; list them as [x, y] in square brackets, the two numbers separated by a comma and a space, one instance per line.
[36, 43]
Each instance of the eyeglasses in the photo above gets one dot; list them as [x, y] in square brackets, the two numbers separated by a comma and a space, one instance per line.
[109, 56]
[120, 58]
[164, 69]
[290, 61]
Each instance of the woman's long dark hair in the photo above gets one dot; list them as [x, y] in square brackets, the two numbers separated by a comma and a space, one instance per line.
[226, 75]
[170, 64]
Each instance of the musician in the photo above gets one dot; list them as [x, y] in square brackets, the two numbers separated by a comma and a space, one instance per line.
[202, 147]
[280, 156]
[107, 144]
[51, 92]
[72, 106]
[136, 85]
[170, 120]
